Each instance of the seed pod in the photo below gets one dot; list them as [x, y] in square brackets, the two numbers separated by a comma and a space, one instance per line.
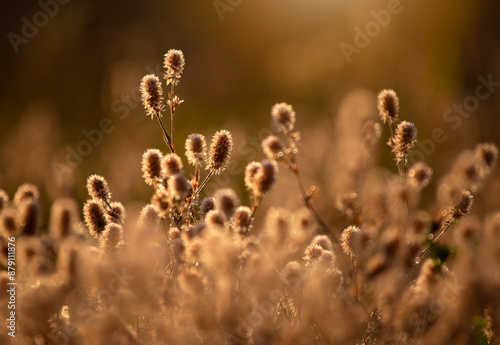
[171, 164]
[196, 149]
[98, 188]
[95, 217]
[63, 217]
[151, 165]
[388, 105]
[272, 146]
[174, 64]
[220, 151]
[152, 95]
[226, 201]
[283, 117]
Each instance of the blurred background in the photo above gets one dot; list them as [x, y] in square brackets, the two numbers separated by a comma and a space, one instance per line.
[71, 70]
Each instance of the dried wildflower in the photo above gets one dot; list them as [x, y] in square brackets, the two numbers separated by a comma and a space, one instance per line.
[174, 64]
[265, 178]
[95, 217]
[226, 201]
[242, 219]
[29, 217]
[348, 239]
[323, 241]
[179, 187]
[283, 117]
[404, 139]
[4, 199]
[112, 238]
[220, 151]
[215, 217]
[161, 202]
[149, 217]
[272, 146]
[9, 225]
[348, 203]
[152, 95]
[388, 105]
[24, 192]
[420, 174]
[196, 149]
[118, 215]
[98, 188]
[207, 204]
[250, 172]
[63, 217]
[171, 164]
[151, 165]
[312, 253]
[487, 155]
[293, 275]
[463, 205]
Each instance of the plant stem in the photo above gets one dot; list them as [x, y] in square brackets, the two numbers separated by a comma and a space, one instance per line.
[166, 137]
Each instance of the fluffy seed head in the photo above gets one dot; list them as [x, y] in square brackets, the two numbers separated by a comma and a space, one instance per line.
[179, 187]
[174, 64]
[152, 94]
[487, 154]
[250, 173]
[272, 146]
[29, 217]
[404, 139]
[220, 151]
[207, 205]
[283, 117]
[98, 188]
[242, 219]
[4, 199]
[119, 213]
[348, 240]
[9, 225]
[95, 217]
[171, 164]
[151, 165]
[323, 241]
[215, 217]
[161, 202]
[420, 174]
[348, 203]
[196, 149]
[463, 205]
[63, 217]
[149, 217]
[111, 239]
[226, 201]
[24, 192]
[265, 178]
[388, 105]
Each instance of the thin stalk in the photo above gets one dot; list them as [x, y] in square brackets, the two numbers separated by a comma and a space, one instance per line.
[421, 255]
[256, 203]
[202, 184]
[309, 206]
[166, 137]
[113, 213]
